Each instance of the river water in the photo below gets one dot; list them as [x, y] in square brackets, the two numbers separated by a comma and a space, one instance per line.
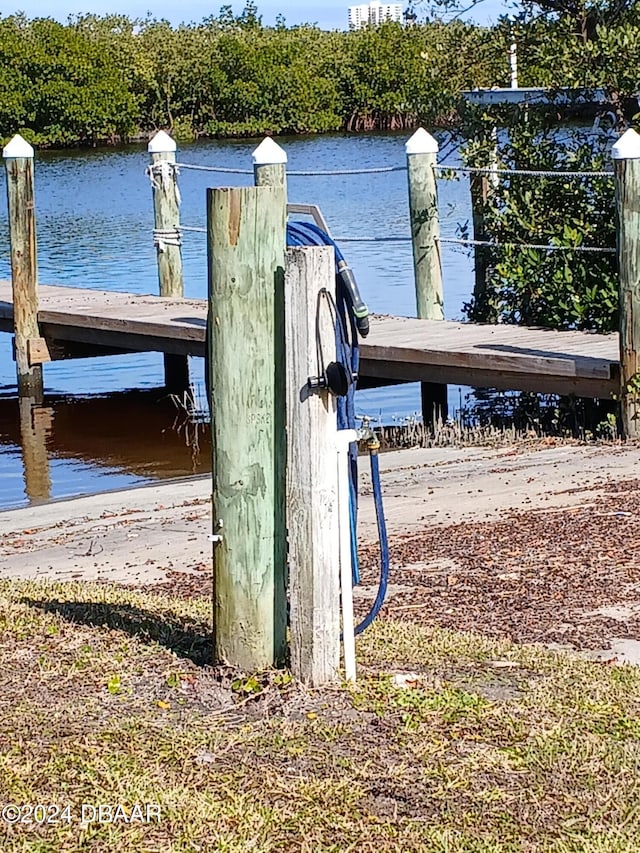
[104, 425]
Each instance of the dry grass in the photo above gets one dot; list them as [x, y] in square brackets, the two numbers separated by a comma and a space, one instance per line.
[105, 699]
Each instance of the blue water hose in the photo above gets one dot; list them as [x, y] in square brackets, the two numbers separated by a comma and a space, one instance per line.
[350, 315]
[384, 544]
[348, 352]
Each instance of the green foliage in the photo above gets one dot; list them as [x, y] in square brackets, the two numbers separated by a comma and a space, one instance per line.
[62, 83]
[556, 289]
[552, 54]
[113, 78]
[106, 78]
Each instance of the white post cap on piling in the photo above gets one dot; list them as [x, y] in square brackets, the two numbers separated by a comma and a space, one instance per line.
[269, 153]
[627, 147]
[161, 143]
[422, 143]
[17, 147]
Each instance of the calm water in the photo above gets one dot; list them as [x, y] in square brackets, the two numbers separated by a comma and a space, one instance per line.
[104, 427]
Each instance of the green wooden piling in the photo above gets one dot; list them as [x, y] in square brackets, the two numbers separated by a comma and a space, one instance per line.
[626, 158]
[246, 250]
[422, 151]
[18, 156]
[167, 239]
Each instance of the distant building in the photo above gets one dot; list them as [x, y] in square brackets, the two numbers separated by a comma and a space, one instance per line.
[374, 13]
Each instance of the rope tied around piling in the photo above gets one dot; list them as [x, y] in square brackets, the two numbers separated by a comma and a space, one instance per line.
[163, 237]
[163, 176]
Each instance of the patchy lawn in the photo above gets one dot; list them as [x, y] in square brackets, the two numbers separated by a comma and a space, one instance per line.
[106, 698]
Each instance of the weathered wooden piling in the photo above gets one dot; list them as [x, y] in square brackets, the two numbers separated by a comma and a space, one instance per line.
[312, 474]
[30, 349]
[270, 164]
[167, 240]
[246, 254]
[626, 159]
[422, 151]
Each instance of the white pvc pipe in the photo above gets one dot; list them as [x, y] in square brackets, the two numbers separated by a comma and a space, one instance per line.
[344, 439]
[513, 63]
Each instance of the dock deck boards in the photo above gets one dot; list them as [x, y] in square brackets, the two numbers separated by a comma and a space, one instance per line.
[397, 349]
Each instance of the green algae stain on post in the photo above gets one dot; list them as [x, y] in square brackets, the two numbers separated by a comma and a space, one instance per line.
[246, 250]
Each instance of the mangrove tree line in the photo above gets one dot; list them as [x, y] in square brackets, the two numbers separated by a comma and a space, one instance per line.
[108, 78]
[114, 78]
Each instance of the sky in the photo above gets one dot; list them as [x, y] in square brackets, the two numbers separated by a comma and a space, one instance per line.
[328, 14]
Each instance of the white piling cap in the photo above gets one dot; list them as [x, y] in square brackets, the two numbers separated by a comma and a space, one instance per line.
[627, 147]
[161, 143]
[422, 143]
[17, 147]
[269, 153]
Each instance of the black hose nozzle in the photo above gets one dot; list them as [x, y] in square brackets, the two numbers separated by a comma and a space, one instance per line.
[359, 308]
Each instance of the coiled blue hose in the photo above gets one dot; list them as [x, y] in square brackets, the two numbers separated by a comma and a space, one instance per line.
[348, 352]
[309, 234]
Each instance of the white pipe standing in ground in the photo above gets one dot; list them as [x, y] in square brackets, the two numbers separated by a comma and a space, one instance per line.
[344, 439]
[513, 63]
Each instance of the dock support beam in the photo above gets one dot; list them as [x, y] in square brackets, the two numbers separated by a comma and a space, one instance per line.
[312, 471]
[422, 151]
[18, 157]
[167, 239]
[626, 158]
[246, 254]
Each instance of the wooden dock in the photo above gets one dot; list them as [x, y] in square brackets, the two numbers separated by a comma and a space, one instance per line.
[80, 322]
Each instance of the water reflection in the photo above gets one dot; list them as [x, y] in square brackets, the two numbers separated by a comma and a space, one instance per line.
[72, 445]
[35, 426]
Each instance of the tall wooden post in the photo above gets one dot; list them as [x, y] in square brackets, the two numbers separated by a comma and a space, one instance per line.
[312, 473]
[479, 187]
[270, 164]
[626, 159]
[167, 240]
[422, 151]
[246, 250]
[18, 156]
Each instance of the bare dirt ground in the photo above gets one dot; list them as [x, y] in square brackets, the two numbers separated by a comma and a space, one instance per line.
[537, 542]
